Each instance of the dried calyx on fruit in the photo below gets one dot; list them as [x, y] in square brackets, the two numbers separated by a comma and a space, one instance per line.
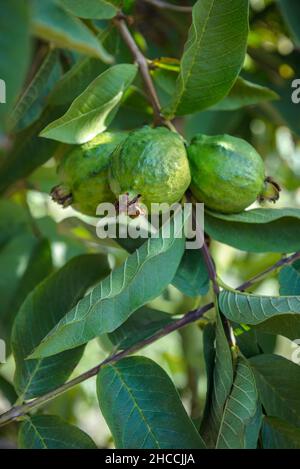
[228, 174]
[83, 171]
[150, 167]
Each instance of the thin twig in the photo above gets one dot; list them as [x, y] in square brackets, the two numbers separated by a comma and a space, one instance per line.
[282, 262]
[142, 63]
[169, 6]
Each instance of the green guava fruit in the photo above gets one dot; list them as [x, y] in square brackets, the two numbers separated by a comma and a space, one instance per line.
[83, 171]
[228, 174]
[150, 166]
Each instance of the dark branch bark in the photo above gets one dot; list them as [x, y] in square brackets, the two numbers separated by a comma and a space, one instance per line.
[142, 63]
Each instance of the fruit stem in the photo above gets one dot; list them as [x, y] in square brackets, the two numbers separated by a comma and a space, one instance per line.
[271, 192]
[62, 195]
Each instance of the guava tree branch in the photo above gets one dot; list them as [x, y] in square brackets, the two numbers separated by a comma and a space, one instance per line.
[169, 6]
[140, 59]
[211, 268]
[19, 411]
[213, 277]
[281, 263]
[193, 316]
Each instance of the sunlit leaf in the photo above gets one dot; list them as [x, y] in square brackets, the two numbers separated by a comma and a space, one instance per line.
[125, 290]
[92, 112]
[52, 23]
[213, 56]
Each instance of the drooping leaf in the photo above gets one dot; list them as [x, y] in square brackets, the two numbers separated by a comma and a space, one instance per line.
[209, 337]
[124, 291]
[279, 434]
[94, 109]
[93, 9]
[33, 93]
[258, 230]
[254, 309]
[142, 408]
[244, 93]
[240, 412]
[213, 56]
[222, 383]
[52, 23]
[277, 381]
[15, 53]
[51, 432]
[191, 277]
[39, 313]
[141, 325]
[291, 12]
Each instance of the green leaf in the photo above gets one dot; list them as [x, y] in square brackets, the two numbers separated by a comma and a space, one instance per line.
[209, 337]
[240, 411]
[141, 325]
[287, 325]
[15, 52]
[244, 93]
[51, 432]
[52, 23]
[222, 383]
[38, 266]
[213, 55]
[29, 151]
[142, 407]
[289, 279]
[254, 309]
[93, 9]
[92, 112]
[258, 230]
[13, 220]
[40, 312]
[7, 390]
[279, 434]
[124, 291]
[291, 13]
[75, 81]
[191, 277]
[33, 91]
[14, 259]
[277, 381]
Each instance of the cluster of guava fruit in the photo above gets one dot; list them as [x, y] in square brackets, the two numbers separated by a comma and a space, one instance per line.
[155, 166]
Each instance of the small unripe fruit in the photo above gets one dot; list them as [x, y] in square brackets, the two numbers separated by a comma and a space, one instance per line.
[84, 174]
